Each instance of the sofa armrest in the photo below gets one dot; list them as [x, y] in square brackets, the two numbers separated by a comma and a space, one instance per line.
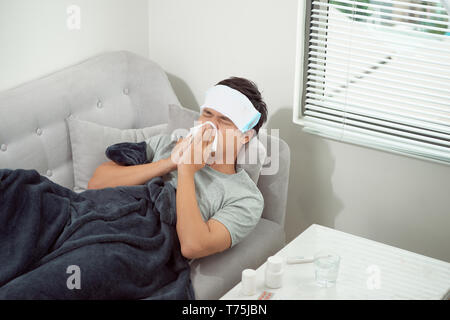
[215, 275]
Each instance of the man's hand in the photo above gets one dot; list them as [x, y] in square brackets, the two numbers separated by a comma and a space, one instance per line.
[177, 152]
[195, 151]
[197, 237]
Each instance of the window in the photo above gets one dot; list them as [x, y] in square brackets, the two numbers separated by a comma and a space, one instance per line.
[376, 73]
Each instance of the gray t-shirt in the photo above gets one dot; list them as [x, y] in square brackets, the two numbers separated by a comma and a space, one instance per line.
[232, 199]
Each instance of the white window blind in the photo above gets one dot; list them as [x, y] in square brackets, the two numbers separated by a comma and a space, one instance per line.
[377, 73]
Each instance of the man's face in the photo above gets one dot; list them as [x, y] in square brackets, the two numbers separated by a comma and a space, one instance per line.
[230, 138]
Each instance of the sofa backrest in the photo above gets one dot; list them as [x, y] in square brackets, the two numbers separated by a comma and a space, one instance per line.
[274, 184]
[116, 89]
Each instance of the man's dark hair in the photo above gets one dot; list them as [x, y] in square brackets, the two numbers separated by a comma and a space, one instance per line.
[249, 89]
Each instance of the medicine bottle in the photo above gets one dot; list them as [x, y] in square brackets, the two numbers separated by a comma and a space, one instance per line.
[274, 272]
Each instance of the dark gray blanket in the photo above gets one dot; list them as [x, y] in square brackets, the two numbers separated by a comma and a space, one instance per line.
[123, 239]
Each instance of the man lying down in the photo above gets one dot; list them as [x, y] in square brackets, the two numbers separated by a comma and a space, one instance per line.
[159, 203]
[217, 205]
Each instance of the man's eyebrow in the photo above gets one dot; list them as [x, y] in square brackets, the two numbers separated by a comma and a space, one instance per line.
[222, 117]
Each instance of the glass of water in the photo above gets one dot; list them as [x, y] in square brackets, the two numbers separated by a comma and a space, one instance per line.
[326, 267]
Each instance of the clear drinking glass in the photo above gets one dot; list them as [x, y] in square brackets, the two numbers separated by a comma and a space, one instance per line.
[326, 267]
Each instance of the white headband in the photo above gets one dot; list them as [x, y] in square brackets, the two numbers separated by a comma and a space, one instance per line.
[232, 104]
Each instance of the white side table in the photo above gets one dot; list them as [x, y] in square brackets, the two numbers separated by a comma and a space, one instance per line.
[368, 270]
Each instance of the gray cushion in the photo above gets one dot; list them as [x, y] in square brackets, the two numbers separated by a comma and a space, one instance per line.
[89, 141]
[181, 119]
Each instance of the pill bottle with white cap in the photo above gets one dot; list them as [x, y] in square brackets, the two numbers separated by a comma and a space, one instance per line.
[249, 282]
[274, 272]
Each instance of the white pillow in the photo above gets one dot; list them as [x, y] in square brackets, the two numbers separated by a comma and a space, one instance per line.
[89, 141]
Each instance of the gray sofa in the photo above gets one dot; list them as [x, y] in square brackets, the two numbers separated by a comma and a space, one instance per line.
[123, 90]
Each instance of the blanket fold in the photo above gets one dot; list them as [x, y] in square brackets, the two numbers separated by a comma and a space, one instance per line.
[128, 153]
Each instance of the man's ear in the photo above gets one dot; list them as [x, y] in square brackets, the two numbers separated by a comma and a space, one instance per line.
[247, 136]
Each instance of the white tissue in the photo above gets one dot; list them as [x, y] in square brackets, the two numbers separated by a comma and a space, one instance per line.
[193, 131]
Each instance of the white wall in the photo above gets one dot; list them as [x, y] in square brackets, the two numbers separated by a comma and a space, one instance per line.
[390, 198]
[35, 41]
